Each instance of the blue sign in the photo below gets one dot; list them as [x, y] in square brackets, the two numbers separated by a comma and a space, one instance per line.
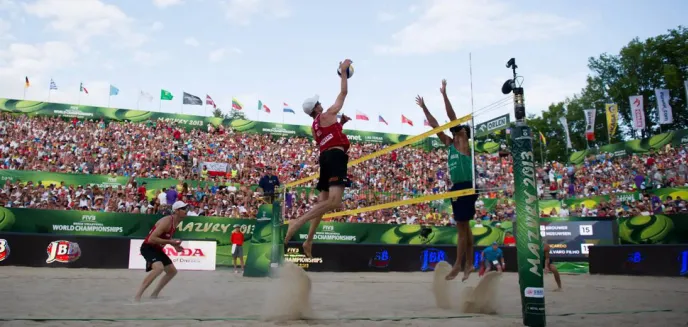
[683, 259]
[380, 260]
[430, 257]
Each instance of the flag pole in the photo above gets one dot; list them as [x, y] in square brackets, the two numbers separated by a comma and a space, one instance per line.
[109, 97]
[24, 92]
[470, 70]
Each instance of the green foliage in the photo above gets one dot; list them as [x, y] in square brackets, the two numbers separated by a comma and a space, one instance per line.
[639, 68]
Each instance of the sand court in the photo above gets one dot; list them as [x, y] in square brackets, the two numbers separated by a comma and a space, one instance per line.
[90, 297]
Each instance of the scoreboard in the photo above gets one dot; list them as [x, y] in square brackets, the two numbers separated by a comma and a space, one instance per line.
[570, 238]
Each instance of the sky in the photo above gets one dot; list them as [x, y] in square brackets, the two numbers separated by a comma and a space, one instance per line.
[284, 51]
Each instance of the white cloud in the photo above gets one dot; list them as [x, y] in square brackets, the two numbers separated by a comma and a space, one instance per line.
[191, 41]
[85, 19]
[166, 3]
[450, 25]
[218, 54]
[147, 58]
[241, 12]
[385, 17]
[157, 26]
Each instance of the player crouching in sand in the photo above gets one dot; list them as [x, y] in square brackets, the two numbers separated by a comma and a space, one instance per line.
[152, 250]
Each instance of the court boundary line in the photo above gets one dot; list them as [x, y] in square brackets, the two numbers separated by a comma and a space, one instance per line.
[256, 318]
[390, 148]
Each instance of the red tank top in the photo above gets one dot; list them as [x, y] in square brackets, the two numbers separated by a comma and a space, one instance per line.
[330, 136]
[165, 236]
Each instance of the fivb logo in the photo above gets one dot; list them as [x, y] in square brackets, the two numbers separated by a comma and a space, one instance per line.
[4, 249]
[328, 228]
[63, 251]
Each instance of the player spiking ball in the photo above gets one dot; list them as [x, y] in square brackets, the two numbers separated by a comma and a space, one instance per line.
[460, 166]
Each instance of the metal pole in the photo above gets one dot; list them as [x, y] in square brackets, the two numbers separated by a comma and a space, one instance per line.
[470, 69]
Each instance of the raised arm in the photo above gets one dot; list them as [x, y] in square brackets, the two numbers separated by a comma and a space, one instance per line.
[446, 140]
[447, 105]
[344, 89]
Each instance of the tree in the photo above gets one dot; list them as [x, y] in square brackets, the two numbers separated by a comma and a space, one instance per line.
[217, 113]
[233, 114]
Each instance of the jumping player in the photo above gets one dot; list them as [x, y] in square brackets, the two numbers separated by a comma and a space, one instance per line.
[333, 160]
[152, 250]
[460, 168]
[549, 266]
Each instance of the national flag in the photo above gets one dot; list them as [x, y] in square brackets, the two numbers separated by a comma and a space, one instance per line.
[382, 120]
[146, 96]
[286, 108]
[543, 139]
[53, 86]
[405, 120]
[113, 90]
[236, 105]
[190, 99]
[262, 106]
[361, 116]
[426, 122]
[209, 101]
[166, 95]
[27, 84]
[82, 88]
[590, 124]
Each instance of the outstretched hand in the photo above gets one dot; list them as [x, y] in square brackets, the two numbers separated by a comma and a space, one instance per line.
[344, 119]
[443, 89]
[420, 102]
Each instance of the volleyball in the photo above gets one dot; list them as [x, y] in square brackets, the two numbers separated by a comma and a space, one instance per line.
[646, 229]
[349, 71]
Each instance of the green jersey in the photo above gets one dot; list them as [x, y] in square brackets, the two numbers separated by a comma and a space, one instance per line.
[460, 166]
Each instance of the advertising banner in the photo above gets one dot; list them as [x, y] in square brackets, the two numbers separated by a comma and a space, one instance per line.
[639, 146]
[492, 125]
[570, 238]
[196, 255]
[642, 260]
[45, 250]
[655, 229]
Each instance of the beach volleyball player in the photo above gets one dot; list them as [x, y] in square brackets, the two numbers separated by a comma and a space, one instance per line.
[333, 145]
[548, 265]
[460, 166]
[152, 247]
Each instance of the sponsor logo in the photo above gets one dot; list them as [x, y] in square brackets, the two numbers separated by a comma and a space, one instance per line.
[294, 255]
[328, 228]
[63, 251]
[430, 257]
[380, 260]
[4, 249]
[534, 292]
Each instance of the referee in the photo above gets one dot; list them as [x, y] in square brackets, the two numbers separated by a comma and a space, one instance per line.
[268, 183]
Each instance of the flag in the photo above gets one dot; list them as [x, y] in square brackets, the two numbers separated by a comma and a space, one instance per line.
[236, 105]
[166, 95]
[262, 106]
[382, 120]
[361, 116]
[26, 83]
[53, 86]
[612, 111]
[665, 114]
[146, 96]
[637, 111]
[209, 101]
[543, 139]
[405, 120]
[190, 99]
[426, 122]
[287, 109]
[82, 88]
[590, 124]
[564, 123]
[113, 90]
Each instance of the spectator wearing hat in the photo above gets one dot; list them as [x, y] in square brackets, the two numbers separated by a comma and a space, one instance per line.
[268, 183]
[237, 239]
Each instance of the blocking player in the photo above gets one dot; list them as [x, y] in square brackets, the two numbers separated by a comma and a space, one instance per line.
[460, 168]
[152, 247]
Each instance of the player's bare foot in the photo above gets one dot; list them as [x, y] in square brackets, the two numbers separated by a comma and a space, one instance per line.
[154, 296]
[453, 273]
[557, 290]
[307, 249]
[137, 298]
[467, 272]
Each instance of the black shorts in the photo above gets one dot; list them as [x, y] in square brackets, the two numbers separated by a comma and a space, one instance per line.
[154, 254]
[333, 166]
[463, 207]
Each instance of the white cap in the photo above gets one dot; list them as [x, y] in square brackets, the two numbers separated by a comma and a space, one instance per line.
[309, 104]
[178, 205]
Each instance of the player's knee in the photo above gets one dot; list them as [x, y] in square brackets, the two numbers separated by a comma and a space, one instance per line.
[171, 270]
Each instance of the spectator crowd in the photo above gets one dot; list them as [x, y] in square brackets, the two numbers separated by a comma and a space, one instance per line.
[155, 149]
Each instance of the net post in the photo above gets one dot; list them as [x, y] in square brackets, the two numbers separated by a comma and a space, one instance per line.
[277, 246]
[527, 228]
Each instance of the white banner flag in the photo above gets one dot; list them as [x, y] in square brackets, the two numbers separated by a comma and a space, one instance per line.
[590, 124]
[637, 111]
[565, 123]
[685, 85]
[663, 106]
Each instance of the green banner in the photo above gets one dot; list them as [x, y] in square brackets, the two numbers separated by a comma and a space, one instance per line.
[492, 125]
[528, 242]
[674, 138]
